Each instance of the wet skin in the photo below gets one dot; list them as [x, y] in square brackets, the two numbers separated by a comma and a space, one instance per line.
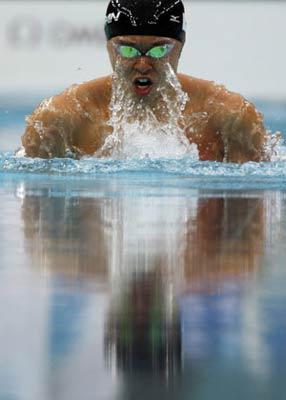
[223, 125]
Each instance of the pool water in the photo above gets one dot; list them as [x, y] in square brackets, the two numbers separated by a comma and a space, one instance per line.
[150, 278]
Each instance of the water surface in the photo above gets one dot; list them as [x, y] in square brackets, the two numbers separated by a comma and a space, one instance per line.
[130, 285]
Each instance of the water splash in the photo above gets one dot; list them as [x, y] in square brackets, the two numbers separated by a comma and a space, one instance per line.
[185, 167]
[138, 132]
[275, 146]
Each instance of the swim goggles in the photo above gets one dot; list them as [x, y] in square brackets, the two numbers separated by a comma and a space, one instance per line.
[158, 51]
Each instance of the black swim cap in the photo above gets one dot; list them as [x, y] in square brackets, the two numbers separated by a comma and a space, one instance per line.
[145, 17]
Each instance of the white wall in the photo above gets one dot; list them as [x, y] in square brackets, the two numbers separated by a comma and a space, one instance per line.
[45, 46]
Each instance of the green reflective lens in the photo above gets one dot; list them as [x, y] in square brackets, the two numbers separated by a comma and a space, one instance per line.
[128, 51]
[155, 52]
[159, 51]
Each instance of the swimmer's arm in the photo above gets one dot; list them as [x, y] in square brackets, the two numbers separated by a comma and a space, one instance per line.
[50, 129]
[241, 128]
[48, 145]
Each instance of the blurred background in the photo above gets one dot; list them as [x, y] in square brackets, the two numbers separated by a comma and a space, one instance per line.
[46, 46]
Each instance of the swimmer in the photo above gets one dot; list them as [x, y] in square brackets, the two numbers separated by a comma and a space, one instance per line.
[144, 37]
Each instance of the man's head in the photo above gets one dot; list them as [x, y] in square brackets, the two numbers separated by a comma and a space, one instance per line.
[143, 36]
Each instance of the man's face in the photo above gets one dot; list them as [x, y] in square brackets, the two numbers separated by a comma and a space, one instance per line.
[142, 60]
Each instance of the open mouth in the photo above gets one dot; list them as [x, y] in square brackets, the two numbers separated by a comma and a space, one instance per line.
[143, 86]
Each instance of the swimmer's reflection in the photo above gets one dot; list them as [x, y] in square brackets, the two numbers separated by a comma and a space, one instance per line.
[209, 238]
[226, 239]
[153, 252]
[66, 235]
[143, 330]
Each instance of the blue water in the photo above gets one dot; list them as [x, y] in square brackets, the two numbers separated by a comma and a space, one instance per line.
[182, 172]
[151, 278]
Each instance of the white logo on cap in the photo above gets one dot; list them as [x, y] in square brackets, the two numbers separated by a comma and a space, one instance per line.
[175, 18]
[113, 17]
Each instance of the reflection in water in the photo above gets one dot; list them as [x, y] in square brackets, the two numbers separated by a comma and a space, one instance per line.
[143, 331]
[226, 239]
[203, 237]
[67, 236]
[174, 270]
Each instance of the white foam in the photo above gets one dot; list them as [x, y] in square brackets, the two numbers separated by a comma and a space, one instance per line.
[136, 130]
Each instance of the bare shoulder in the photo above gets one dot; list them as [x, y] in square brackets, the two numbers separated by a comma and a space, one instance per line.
[56, 124]
[199, 87]
[210, 93]
[229, 115]
[77, 100]
[97, 90]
